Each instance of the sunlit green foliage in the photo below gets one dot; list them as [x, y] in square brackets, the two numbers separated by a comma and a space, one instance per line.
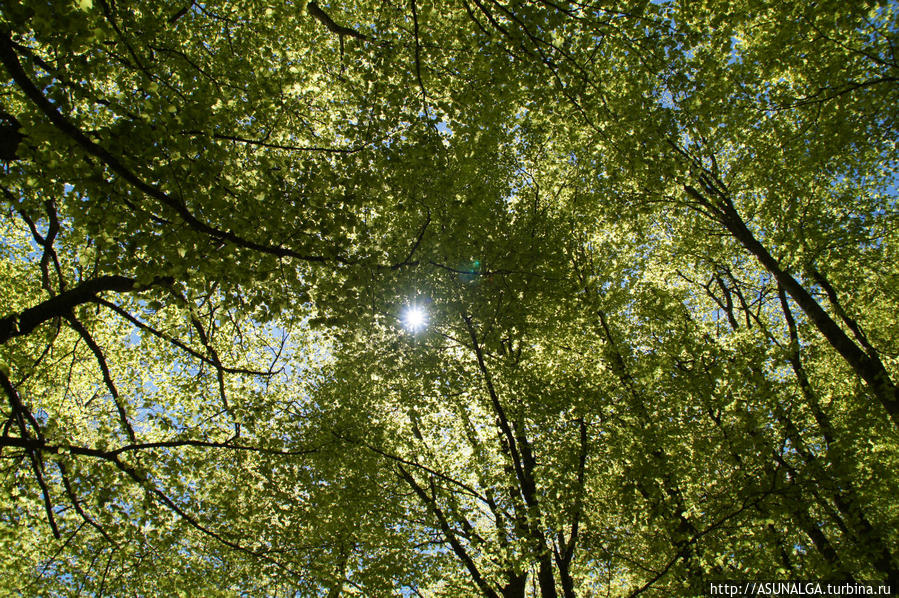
[656, 244]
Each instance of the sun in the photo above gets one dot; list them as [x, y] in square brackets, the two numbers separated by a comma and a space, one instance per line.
[415, 318]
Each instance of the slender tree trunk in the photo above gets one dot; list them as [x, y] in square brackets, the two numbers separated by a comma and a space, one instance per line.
[867, 366]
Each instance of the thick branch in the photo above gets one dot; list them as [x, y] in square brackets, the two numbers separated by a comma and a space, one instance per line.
[62, 304]
[318, 14]
[38, 444]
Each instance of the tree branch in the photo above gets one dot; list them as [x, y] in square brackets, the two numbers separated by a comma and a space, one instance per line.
[448, 533]
[11, 61]
[104, 369]
[318, 14]
[63, 303]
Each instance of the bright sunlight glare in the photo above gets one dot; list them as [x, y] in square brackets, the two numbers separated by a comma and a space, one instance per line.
[415, 318]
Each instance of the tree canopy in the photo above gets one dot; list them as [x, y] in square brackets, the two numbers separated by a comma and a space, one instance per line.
[652, 249]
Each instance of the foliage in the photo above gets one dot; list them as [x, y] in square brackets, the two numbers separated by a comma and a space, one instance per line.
[656, 244]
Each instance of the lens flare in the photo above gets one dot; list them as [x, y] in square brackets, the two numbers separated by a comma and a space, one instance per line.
[415, 318]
